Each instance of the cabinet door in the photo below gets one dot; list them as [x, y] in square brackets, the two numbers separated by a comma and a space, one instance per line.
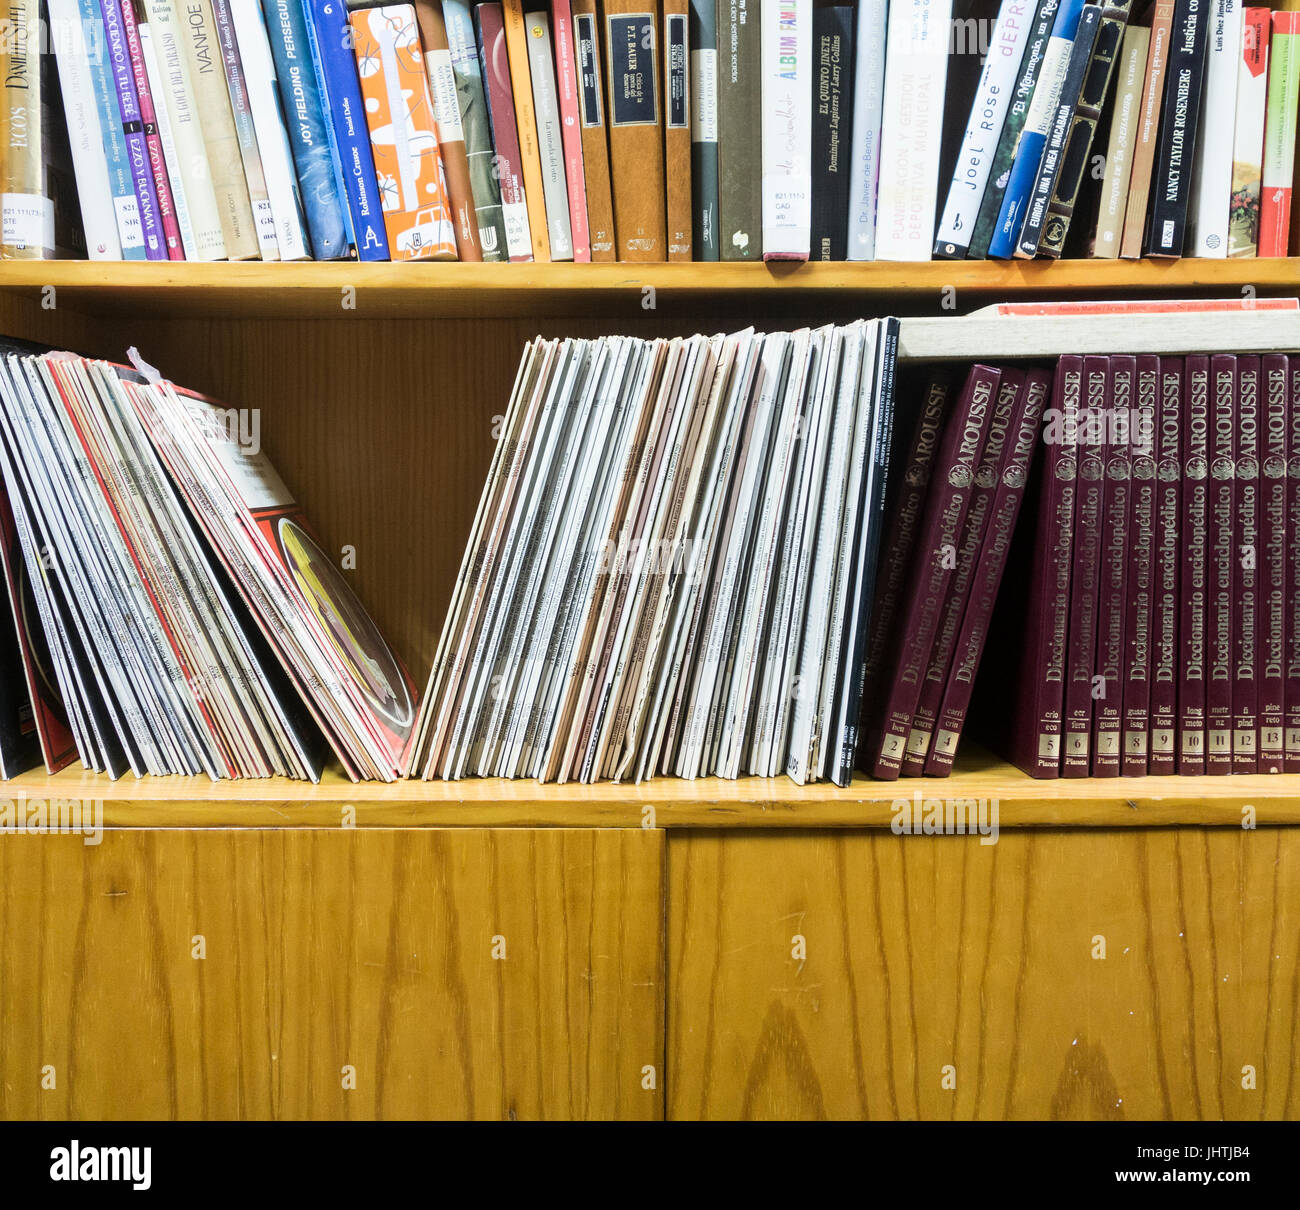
[339, 974]
[1078, 974]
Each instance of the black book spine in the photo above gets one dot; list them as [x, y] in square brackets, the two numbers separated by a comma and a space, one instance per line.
[832, 117]
[1171, 180]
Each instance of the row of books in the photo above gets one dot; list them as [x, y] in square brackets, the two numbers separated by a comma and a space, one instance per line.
[169, 610]
[600, 130]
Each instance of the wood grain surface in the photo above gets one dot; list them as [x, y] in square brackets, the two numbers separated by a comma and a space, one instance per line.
[927, 953]
[327, 951]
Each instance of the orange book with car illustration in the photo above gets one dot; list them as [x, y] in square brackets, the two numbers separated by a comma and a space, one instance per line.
[403, 136]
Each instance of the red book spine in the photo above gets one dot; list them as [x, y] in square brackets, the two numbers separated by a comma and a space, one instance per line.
[1136, 600]
[1167, 563]
[566, 73]
[1219, 615]
[1025, 427]
[1270, 684]
[1245, 585]
[1085, 575]
[506, 159]
[1195, 584]
[1292, 672]
[945, 512]
[152, 139]
[987, 475]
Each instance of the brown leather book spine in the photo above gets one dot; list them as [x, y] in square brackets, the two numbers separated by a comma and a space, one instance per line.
[677, 129]
[591, 112]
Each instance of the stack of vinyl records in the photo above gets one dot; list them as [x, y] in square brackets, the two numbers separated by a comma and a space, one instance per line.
[672, 564]
[173, 613]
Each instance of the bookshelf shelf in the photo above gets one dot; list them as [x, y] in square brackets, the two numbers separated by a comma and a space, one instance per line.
[317, 290]
[708, 803]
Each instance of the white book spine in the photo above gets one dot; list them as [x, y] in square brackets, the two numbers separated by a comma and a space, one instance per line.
[89, 162]
[786, 40]
[176, 97]
[149, 53]
[272, 141]
[868, 99]
[916, 74]
[987, 117]
[1212, 165]
[1248, 131]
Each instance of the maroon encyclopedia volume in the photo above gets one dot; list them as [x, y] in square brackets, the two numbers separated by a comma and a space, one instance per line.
[1219, 616]
[1137, 602]
[1270, 684]
[1245, 584]
[1163, 707]
[1195, 582]
[1292, 671]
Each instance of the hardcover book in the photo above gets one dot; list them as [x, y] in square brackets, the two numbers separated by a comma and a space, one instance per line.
[1123, 131]
[1272, 632]
[1162, 754]
[1140, 604]
[703, 42]
[1250, 556]
[677, 129]
[740, 117]
[1291, 672]
[1148, 130]
[1194, 389]
[1221, 561]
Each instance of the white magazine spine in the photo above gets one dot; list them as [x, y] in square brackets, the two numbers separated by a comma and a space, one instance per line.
[786, 40]
[916, 74]
[1212, 164]
[984, 129]
[868, 100]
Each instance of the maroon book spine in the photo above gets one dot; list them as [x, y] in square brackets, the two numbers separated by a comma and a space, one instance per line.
[1271, 641]
[1167, 562]
[1245, 577]
[1108, 677]
[1292, 672]
[904, 519]
[507, 161]
[1137, 598]
[945, 511]
[987, 475]
[1222, 532]
[1196, 558]
[992, 563]
[1085, 576]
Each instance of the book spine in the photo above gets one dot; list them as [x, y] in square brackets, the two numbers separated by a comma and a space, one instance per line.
[1148, 131]
[1123, 130]
[1280, 135]
[864, 146]
[199, 43]
[740, 161]
[26, 213]
[566, 72]
[300, 98]
[1193, 379]
[1248, 134]
[993, 99]
[945, 513]
[152, 139]
[1058, 131]
[1171, 185]
[335, 156]
[988, 473]
[787, 129]
[472, 114]
[1212, 164]
[521, 91]
[1274, 430]
[1168, 407]
[1025, 428]
[703, 40]
[158, 89]
[1076, 155]
[490, 28]
[178, 99]
[241, 108]
[451, 135]
[89, 148]
[1085, 575]
[119, 56]
[916, 72]
[273, 149]
[1033, 137]
[677, 129]
[832, 44]
[636, 154]
[1291, 697]
[1219, 616]
[1112, 585]
[550, 140]
[417, 215]
[1139, 604]
[1247, 563]
[351, 135]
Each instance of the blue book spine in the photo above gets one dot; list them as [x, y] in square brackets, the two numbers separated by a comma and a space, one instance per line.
[1033, 138]
[336, 161]
[304, 122]
[126, 210]
[352, 135]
